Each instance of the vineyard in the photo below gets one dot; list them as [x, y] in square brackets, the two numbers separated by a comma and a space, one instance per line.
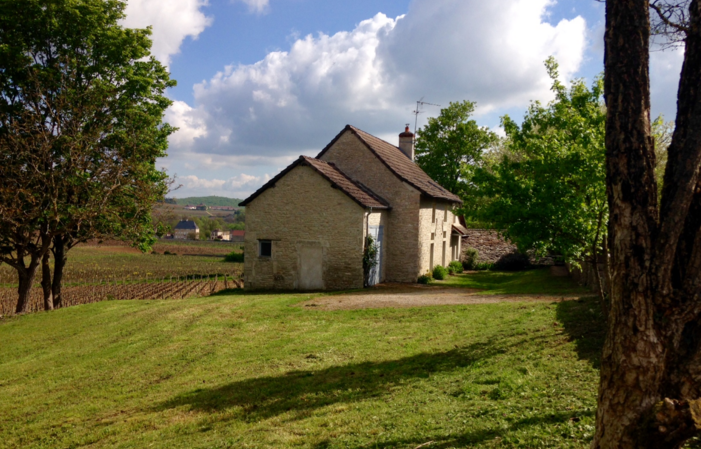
[105, 273]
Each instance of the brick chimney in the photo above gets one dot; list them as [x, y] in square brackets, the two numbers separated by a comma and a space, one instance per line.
[406, 143]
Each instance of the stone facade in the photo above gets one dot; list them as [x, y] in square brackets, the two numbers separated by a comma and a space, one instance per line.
[438, 243]
[306, 228]
[350, 155]
[489, 243]
[304, 214]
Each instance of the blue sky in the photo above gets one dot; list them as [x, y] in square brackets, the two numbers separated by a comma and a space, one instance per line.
[262, 81]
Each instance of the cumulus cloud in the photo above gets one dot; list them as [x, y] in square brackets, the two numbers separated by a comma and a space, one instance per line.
[447, 50]
[665, 68]
[237, 185]
[257, 6]
[172, 22]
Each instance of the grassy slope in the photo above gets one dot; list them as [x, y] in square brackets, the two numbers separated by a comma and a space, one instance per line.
[251, 371]
[537, 281]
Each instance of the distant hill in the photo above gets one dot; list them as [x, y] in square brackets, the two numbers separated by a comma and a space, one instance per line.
[209, 201]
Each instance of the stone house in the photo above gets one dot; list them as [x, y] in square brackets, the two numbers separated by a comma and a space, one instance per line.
[306, 227]
[186, 229]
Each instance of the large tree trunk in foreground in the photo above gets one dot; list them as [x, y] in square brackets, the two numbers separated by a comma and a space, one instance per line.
[651, 363]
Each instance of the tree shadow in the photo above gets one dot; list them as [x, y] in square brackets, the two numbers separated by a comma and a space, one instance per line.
[584, 323]
[302, 391]
[470, 438]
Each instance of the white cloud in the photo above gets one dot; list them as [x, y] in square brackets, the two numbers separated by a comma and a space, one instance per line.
[257, 6]
[172, 22]
[665, 68]
[240, 185]
[447, 50]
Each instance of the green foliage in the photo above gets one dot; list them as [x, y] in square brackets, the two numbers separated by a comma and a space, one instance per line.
[662, 132]
[512, 262]
[81, 94]
[209, 201]
[455, 267]
[469, 261]
[440, 272]
[451, 145]
[234, 256]
[483, 266]
[547, 189]
[425, 278]
[369, 257]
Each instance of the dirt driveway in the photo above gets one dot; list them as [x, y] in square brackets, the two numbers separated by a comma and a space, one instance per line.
[416, 295]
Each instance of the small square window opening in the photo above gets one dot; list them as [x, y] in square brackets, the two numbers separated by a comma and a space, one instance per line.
[265, 248]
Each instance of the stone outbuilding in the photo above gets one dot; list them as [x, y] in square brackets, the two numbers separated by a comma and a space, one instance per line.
[186, 229]
[306, 227]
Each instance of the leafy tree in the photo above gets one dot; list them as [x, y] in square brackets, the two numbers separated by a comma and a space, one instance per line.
[650, 387]
[451, 145]
[547, 190]
[81, 108]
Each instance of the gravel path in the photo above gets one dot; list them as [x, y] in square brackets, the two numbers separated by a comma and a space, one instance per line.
[415, 295]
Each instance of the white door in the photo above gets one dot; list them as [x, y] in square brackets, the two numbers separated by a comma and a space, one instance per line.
[311, 258]
[377, 233]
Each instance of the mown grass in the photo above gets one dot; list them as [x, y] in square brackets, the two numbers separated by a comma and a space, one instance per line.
[530, 282]
[246, 370]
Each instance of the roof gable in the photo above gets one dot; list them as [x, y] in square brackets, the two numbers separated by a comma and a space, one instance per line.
[186, 225]
[398, 163]
[339, 180]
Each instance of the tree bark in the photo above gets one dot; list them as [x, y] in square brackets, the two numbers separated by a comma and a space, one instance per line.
[60, 258]
[46, 282]
[651, 362]
[26, 279]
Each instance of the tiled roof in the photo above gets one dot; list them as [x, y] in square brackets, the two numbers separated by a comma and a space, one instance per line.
[356, 191]
[399, 164]
[462, 230]
[186, 224]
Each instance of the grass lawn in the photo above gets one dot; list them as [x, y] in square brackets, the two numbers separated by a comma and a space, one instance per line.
[246, 370]
[536, 281]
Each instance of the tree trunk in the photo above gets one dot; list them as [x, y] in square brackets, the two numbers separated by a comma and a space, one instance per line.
[651, 362]
[26, 279]
[60, 258]
[46, 282]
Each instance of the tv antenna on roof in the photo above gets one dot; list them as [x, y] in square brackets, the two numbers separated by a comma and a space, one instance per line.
[417, 111]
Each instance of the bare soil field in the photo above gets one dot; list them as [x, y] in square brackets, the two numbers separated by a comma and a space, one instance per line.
[416, 295]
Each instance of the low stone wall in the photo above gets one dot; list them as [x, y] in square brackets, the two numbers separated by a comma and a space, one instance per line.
[489, 243]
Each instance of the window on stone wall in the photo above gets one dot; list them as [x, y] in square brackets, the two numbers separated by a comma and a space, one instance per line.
[265, 248]
[445, 214]
[433, 217]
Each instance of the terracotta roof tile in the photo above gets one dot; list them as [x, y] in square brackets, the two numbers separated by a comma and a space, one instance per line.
[353, 189]
[399, 164]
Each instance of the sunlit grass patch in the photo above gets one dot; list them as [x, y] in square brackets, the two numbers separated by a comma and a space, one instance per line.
[250, 371]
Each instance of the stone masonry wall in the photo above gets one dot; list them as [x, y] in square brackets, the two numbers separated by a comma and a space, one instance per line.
[402, 257]
[437, 233]
[303, 209]
[489, 243]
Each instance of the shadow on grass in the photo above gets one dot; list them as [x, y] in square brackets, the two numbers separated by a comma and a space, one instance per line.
[470, 438]
[585, 325]
[303, 391]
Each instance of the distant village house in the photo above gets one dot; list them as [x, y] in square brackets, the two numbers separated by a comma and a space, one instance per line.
[186, 229]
